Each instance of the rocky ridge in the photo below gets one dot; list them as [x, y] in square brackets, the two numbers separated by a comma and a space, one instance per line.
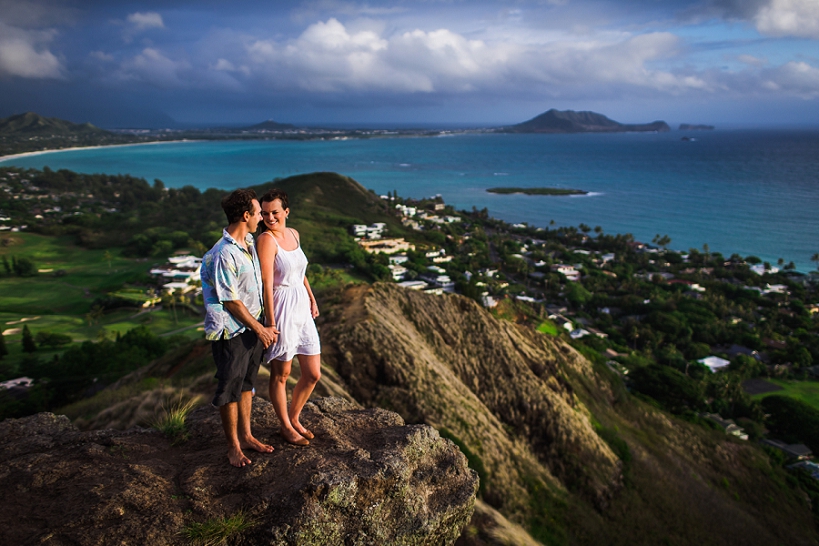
[501, 391]
[366, 479]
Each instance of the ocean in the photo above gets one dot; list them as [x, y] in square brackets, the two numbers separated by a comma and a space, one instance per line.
[743, 191]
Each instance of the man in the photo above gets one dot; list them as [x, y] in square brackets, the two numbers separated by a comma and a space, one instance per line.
[232, 290]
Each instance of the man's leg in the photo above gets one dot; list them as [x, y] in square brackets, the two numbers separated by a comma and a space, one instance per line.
[246, 439]
[230, 418]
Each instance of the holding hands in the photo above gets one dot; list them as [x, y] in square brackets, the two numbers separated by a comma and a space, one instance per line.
[268, 335]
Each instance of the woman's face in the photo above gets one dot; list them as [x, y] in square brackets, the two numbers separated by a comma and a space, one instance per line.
[274, 215]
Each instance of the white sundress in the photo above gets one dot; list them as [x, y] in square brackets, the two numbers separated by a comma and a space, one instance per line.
[291, 307]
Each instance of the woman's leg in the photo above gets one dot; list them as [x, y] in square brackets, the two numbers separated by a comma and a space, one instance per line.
[279, 372]
[310, 374]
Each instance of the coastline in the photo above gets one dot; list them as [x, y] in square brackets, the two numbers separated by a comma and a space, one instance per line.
[74, 148]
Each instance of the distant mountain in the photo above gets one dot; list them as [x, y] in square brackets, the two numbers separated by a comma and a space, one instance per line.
[691, 127]
[270, 125]
[36, 125]
[569, 121]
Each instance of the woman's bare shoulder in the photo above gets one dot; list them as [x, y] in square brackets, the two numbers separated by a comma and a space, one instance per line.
[266, 244]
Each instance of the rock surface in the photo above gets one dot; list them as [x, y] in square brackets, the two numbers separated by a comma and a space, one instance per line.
[367, 478]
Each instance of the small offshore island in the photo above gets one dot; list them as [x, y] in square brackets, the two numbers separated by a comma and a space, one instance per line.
[538, 191]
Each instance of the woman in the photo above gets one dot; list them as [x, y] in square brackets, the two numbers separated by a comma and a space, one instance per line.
[290, 307]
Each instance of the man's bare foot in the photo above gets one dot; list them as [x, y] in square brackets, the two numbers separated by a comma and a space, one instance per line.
[255, 445]
[301, 430]
[293, 437]
[237, 458]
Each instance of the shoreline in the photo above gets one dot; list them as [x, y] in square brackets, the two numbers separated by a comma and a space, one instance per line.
[75, 148]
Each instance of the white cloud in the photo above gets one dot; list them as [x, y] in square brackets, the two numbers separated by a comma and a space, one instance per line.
[144, 21]
[24, 53]
[797, 78]
[101, 56]
[328, 57]
[789, 18]
[153, 67]
[332, 59]
[223, 65]
[751, 60]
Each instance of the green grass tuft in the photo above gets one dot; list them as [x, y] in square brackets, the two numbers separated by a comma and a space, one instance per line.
[172, 422]
[217, 530]
[548, 327]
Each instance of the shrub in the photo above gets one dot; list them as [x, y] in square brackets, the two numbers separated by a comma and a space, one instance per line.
[792, 420]
[50, 339]
[670, 388]
[23, 267]
[28, 340]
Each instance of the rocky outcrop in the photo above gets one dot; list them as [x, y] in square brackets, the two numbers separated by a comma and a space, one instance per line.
[367, 478]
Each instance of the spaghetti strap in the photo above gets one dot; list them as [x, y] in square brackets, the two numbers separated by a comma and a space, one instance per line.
[271, 234]
[293, 233]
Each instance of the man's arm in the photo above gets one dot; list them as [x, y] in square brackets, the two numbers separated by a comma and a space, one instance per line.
[239, 311]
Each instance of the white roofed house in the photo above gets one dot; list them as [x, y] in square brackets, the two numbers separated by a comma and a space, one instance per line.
[567, 271]
[398, 272]
[714, 363]
[180, 269]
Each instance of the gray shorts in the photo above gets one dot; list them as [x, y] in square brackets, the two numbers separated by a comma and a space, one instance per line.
[237, 364]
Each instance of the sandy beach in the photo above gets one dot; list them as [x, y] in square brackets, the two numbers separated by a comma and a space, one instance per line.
[56, 150]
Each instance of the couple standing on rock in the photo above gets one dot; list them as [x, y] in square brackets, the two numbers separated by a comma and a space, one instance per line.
[259, 306]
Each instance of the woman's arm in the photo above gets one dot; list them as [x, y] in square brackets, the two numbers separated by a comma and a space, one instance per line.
[267, 249]
[314, 310]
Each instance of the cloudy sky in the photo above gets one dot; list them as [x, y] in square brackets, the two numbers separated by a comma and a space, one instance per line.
[149, 63]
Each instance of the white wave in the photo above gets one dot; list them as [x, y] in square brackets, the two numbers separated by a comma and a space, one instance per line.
[501, 174]
[590, 194]
[404, 165]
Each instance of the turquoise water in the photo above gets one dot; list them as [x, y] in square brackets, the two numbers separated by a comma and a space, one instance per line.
[749, 192]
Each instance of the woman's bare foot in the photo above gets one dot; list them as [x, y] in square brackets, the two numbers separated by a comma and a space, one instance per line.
[294, 438]
[301, 430]
[255, 445]
[237, 458]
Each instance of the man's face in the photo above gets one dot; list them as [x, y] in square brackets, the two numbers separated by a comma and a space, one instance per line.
[255, 217]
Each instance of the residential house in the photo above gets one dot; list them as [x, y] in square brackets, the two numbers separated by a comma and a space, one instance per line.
[18, 383]
[728, 425]
[413, 285]
[567, 271]
[799, 452]
[714, 363]
[398, 272]
[387, 246]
